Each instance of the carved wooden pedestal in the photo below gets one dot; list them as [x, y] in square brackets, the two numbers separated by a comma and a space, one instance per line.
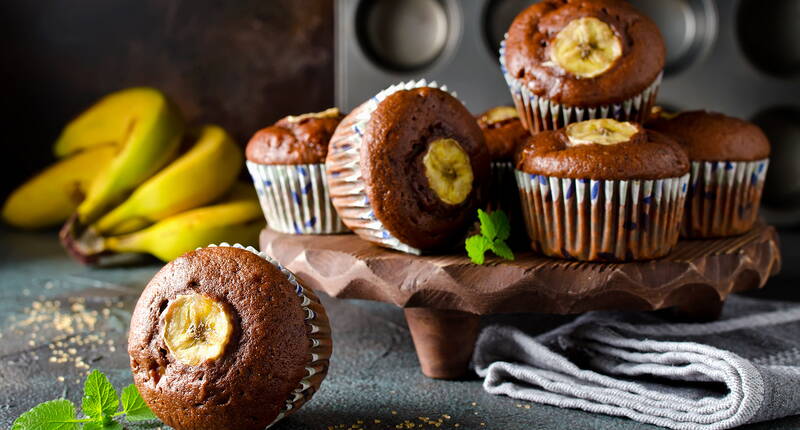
[443, 295]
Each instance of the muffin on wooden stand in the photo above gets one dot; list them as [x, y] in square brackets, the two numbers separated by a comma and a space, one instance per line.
[226, 338]
[572, 60]
[729, 159]
[602, 190]
[504, 132]
[287, 164]
[408, 168]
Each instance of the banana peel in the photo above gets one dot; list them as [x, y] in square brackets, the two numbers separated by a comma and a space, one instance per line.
[237, 218]
[198, 177]
[144, 124]
[48, 199]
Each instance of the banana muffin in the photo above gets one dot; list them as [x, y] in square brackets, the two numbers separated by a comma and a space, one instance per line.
[225, 338]
[503, 132]
[602, 190]
[573, 60]
[287, 164]
[409, 168]
[729, 158]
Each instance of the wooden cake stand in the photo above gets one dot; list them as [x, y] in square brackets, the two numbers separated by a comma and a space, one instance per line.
[444, 295]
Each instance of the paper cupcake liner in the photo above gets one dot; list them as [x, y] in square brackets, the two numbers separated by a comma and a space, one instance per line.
[539, 113]
[723, 197]
[597, 220]
[347, 187]
[295, 198]
[319, 332]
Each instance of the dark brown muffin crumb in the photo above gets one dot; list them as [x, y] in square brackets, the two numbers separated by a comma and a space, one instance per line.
[502, 130]
[263, 361]
[646, 155]
[711, 136]
[301, 139]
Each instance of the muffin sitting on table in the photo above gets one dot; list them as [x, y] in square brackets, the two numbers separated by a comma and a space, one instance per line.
[287, 163]
[729, 159]
[602, 190]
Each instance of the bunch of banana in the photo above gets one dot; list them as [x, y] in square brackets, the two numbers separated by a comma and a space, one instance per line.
[126, 184]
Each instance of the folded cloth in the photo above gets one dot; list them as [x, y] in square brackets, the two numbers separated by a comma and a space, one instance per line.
[742, 368]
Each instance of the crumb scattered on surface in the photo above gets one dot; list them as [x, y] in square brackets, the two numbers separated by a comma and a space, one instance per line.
[77, 334]
[442, 421]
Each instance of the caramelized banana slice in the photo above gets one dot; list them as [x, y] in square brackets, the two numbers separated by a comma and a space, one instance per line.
[196, 328]
[448, 170]
[604, 131]
[586, 47]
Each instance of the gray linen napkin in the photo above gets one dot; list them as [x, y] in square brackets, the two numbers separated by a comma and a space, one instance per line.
[742, 368]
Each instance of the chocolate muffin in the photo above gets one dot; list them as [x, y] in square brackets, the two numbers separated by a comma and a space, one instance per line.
[409, 168]
[572, 60]
[287, 163]
[602, 190]
[225, 338]
[729, 158]
[503, 132]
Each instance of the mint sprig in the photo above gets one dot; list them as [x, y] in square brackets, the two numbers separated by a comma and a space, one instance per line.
[100, 405]
[495, 229]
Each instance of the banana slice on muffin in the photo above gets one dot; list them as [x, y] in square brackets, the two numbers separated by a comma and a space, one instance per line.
[226, 338]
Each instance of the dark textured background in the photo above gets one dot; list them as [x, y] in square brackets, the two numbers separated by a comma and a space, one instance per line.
[241, 64]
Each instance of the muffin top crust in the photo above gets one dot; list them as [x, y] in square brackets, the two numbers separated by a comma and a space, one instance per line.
[425, 166]
[209, 381]
[711, 136]
[603, 150]
[301, 139]
[502, 130]
[584, 52]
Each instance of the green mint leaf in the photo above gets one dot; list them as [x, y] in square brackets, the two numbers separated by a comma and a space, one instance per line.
[502, 250]
[476, 246]
[488, 229]
[110, 425]
[133, 405]
[99, 396]
[53, 415]
[501, 224]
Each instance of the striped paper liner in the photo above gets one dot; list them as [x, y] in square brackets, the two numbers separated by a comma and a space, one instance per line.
[539, 113]
[599, 220]
[723, 197]
[295, 198]
[319, 334]
[347, 187]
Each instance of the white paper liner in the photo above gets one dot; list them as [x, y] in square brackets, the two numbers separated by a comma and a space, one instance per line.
[348, 190]
[319, 333]
[295, 198]
[599, 220]
[723, 197]
[539, 113]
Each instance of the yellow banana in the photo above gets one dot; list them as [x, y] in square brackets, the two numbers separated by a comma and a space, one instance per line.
[198, 177]
[48, 198]
[448, 170]
[145, 126]
[237, 219]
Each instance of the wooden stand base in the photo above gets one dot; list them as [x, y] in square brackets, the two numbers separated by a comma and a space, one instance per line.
[444, 340]
[443, 295]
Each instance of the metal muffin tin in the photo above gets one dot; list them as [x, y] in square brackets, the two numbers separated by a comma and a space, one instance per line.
[739, 57]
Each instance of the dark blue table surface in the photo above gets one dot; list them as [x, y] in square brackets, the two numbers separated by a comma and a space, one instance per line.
[58, 319]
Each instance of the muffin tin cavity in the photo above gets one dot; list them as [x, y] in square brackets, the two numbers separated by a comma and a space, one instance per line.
[689, 28]
[497, 17]
[403, 35]
[768, 33]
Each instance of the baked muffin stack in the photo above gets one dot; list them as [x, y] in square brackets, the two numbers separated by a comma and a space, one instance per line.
[573, 159]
